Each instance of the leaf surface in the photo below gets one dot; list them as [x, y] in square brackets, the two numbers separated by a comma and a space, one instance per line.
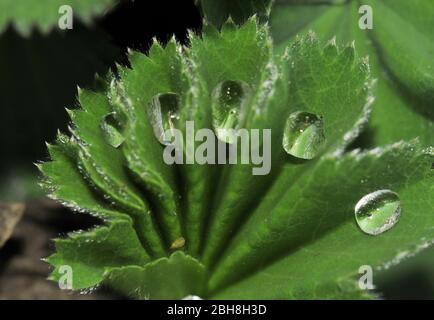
[308, 242]
[400, 53]
[91, 254]
[333, 85]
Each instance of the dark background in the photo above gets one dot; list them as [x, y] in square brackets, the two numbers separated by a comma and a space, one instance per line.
[39, 76]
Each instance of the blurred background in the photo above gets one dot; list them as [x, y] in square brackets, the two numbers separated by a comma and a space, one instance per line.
[39, 75]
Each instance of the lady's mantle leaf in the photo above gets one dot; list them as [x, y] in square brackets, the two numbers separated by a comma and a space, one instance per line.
[26, 14]
[175, 277]
[308, 239]
[90, 254]
[291, 233]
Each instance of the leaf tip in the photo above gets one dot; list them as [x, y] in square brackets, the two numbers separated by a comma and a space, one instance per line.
[332, 42]
[70, 114]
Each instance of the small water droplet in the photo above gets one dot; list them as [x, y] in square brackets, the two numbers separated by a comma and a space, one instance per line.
[304, 135]
[112, 134]
[227, 107]
[163, 114]
[378, 211]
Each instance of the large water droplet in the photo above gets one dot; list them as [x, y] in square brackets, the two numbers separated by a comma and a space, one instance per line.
[378, 211]
[304, 135]
[110, 127]
[163, 115]
[227, 107]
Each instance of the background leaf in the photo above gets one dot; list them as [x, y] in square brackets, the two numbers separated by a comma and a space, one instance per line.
[44, 15]
[399, 48]
[217, 12]
[302, 221]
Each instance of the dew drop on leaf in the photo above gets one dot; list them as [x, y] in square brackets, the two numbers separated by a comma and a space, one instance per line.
[111, 132]
[378, 211]
[227, 107]
[192, 297]
[304, 135]
[163, 114]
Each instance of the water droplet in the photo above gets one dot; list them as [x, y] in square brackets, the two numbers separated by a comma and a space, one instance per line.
[378, 211]
[163, 114]
[227, 108]
[112, 134]
[192, 297]
[304, 135]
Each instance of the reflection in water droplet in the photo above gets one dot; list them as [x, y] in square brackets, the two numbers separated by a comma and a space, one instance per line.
[163, 115]
[192, 297]
[228, 100]
[304, 135]
[378, 211]
[112, 134]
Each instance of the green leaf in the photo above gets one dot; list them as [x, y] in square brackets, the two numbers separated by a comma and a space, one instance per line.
[256, 52]
[132, 96]
[98, 155]
[24, 15]
[322, 81]
[104, 165]
[175, 277]
[63, 181]
[218, 231]
[400, 50]
[116, 245]
[218, 11]
[303, 244]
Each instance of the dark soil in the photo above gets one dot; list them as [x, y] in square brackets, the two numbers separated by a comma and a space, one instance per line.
[22, 272]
